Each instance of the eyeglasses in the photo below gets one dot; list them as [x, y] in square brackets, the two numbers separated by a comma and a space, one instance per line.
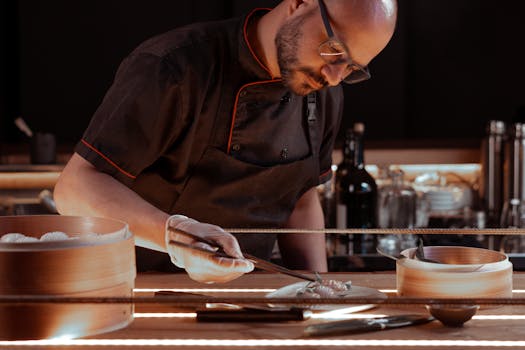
[334, 52]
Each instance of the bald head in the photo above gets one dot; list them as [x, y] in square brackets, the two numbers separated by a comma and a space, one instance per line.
[289, 38]
[365, 25]
[378, 11]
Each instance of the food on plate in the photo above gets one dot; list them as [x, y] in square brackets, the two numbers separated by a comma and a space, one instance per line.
[325, 289]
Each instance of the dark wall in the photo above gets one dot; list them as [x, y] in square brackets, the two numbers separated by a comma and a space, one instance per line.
[70, 50]
[3, 46]
[8, 66]
[451, 66]
[466, 64]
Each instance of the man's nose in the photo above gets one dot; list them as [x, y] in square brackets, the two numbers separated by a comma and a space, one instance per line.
[333, 74]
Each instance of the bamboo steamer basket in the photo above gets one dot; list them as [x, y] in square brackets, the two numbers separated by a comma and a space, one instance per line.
[466, 272]
[86, 267]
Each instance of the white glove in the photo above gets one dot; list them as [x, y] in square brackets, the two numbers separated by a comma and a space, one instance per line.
[200, 266]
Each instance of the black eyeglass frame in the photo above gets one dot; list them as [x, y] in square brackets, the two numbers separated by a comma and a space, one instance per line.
[358, 73]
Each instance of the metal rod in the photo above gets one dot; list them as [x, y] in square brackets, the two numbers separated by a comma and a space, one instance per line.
[380, 231]
[20, 299]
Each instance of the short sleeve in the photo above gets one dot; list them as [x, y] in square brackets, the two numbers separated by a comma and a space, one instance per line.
[332, 107]
[137, 121]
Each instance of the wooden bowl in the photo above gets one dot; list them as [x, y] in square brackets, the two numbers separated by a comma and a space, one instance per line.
[466, 272]
[452, 315]
[102, 266]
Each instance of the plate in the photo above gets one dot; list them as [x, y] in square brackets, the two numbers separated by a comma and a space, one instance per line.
[290, 291]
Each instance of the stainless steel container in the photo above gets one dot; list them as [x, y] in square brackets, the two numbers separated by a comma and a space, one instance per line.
[514, 172]
[492, 157]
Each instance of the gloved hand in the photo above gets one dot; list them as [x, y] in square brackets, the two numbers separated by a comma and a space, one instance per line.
[200, 266]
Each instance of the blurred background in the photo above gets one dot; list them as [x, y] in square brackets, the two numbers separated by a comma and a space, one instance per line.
[451, 66]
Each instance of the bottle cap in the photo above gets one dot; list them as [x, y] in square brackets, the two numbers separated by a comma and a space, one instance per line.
[496, 127]
[518, 130]
[359, 128]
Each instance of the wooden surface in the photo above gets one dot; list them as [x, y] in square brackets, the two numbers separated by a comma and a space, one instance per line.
[186, 333]
[27, 180]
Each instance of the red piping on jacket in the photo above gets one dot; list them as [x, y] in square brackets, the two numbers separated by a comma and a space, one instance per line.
[107, 159]
[326, 172]
[273, 79]
[245, 33]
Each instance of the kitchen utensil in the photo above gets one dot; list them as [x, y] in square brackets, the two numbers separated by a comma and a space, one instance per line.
[441, 266]
[101, 266]
[46, 199]
[200, 297]
[366, 325]
[291, 291]
[43, 148]
[420, 253]
[452, 315]
[252, 315]
[390, 256]
[42, 144]
[259, 263]
[22, 125]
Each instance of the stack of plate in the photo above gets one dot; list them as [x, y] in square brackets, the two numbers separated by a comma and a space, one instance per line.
[448, 198]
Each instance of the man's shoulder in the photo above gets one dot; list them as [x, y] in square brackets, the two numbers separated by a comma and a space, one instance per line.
[204, 36]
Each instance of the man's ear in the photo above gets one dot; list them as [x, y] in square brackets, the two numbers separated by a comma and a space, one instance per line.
[294, 5]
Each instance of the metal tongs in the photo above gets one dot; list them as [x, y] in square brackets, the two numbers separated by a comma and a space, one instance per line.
[259, 263]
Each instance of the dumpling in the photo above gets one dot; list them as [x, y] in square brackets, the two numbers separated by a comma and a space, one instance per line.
[54, 236]
[11, 237]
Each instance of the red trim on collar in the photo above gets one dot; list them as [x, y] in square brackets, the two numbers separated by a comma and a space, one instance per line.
[235, 106]
[107, 159]
[245, 34]
[325, 173]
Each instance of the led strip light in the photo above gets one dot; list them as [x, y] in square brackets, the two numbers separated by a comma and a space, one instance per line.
[387, 343]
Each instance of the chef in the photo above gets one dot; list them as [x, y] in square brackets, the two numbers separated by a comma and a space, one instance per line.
[226, 124]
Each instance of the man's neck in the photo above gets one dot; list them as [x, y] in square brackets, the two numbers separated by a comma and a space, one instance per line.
[261, 36]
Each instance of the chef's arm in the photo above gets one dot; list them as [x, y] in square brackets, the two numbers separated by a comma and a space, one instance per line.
[305, 251]
[83, 190]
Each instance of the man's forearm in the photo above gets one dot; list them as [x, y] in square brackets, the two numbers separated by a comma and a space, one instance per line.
[82, 190]
[305, 251]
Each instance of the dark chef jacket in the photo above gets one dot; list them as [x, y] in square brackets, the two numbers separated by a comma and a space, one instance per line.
[195, 124]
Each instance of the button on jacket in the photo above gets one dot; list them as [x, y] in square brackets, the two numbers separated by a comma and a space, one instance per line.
[196, 125]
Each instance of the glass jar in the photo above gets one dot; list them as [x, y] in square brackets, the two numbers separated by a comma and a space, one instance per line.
[397, 205]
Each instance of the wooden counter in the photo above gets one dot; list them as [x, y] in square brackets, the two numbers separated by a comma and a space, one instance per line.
[29, 176]
[159, 326]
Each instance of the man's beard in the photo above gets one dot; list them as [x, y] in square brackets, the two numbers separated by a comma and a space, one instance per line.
[287, 42]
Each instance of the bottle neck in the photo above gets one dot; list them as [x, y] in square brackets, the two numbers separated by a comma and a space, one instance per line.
[353, 150]
[397, 179]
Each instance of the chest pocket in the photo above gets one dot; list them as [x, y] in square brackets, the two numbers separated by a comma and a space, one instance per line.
[269, 127]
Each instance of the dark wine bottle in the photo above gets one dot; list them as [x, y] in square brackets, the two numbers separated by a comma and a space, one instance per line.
[356, 192]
